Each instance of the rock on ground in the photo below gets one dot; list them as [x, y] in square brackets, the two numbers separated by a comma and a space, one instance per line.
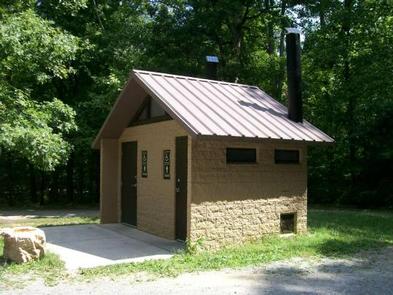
[23, 244]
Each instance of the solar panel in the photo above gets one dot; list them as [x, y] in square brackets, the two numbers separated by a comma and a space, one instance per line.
[212, 58]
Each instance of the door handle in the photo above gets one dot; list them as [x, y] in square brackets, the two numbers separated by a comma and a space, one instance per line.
[178, 189]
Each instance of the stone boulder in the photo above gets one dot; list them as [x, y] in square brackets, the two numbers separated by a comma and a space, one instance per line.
[23, 244]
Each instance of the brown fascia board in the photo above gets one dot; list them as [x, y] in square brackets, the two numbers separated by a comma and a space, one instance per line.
[122, 111]
[263, 140]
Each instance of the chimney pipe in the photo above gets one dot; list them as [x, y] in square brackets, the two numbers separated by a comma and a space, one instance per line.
[295, 105]
[211, 67]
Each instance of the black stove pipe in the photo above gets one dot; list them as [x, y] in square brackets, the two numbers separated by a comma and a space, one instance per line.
[295, 104]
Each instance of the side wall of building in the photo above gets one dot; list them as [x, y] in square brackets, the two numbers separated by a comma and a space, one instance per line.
[232, 203]
[155, 195]
[109, 181]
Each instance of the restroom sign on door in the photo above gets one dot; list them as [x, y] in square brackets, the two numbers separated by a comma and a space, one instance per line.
[144, 163]
[167, 164]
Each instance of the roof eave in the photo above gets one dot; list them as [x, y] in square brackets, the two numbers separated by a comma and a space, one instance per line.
[165, 106]
[264, 139]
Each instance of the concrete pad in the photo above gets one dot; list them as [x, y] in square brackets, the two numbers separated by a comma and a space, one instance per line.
[92, 245]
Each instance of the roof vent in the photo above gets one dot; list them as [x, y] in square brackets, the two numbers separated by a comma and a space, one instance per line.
[211, 67]
[295, 104]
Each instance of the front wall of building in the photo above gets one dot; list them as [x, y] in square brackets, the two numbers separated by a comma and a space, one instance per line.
[232, 203]
[155, 195]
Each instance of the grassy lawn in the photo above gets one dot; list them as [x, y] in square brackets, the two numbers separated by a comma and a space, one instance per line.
[332, 233]
[51, 221]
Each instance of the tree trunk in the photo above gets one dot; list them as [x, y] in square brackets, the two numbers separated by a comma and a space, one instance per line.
[270, 32]
[10, 193]
[322, 13]
[54, 185]
[70, 178]
[81, 178]
[281, 72]
[43, 188]
[346, 29]
[33, 184]
[97, 160]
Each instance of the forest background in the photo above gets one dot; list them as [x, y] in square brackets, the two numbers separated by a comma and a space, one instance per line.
[63, 63]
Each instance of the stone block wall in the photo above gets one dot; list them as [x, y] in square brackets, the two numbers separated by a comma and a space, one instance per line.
[232, 222]
[233, 203]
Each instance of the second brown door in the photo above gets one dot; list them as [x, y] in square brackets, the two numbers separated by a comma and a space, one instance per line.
[181, 187]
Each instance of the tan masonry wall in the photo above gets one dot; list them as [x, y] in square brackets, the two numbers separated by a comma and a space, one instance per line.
[108, 181]
[232, 203]
[155, 195]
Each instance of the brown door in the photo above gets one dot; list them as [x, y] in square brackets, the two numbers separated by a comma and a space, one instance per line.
[128, 182]
[181, 188]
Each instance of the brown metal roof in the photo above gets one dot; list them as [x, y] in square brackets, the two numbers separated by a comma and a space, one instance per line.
[208, 107]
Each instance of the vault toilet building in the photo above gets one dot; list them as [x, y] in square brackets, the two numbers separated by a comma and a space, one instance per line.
[189, 158]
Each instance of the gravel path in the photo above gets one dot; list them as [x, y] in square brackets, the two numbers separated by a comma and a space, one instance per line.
[368, 273]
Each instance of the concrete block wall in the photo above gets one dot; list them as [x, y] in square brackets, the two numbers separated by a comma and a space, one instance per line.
[232, 203]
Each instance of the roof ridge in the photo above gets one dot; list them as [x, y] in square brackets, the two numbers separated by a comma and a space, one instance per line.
[194, 78]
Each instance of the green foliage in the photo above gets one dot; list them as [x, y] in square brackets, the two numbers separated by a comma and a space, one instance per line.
[33, 123]
[33, 51]
[193, 247]
[81, 53]
[33, 130]
[349, 95]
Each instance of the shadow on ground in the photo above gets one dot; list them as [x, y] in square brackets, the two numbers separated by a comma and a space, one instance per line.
[367, 272]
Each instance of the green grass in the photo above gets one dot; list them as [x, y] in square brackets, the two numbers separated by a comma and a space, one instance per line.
[51, 221]
[50, 268]
[332, 233]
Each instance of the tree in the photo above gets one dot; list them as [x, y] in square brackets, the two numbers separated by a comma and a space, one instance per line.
[348, 92]
[63, 63]
[33, 53]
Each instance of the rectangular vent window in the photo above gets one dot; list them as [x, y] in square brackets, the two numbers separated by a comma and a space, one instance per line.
[286, 157]
[241, 155]
[287, 223]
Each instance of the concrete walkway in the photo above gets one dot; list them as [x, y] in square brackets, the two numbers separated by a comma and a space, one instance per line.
[92, 245]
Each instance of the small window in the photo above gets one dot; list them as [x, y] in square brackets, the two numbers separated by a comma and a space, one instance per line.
[287, 223]
[155, 109]
[241, 155]
[286, 156]
[148, 111]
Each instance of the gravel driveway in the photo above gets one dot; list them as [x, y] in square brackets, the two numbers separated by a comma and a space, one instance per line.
[368, 273]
